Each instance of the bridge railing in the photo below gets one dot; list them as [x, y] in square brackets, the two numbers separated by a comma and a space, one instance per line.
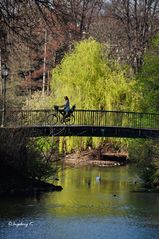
[24, 118]
[116, 118]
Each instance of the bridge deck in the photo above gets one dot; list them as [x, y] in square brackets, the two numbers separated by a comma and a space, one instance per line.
[93, 123]
[84, 131]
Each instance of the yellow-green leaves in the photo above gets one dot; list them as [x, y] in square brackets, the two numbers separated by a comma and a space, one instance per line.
[90, 79]
[148, 80]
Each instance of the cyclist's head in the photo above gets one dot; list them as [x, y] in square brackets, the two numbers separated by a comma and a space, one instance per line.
[66, 98]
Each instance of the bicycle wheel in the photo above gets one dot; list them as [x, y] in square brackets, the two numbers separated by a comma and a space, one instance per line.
[70, 120]
[52, 119]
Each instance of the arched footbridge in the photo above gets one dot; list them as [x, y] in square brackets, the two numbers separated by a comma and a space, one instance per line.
[95, 123]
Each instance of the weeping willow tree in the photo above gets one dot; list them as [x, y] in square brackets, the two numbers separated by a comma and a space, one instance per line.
[92, 81]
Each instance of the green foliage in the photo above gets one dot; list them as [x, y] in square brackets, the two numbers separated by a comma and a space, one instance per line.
[20, 155]
[37, 164]
[43, 146]
[38, 101]
[145, 154]
[92, 81]
[33, 158]
[147, 84]
[146, 91]
[155, 42]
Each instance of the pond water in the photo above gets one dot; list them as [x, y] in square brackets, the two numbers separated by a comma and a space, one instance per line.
[94, 203]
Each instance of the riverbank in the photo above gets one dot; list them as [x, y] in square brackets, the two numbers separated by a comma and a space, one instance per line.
[96, 158]
[22, 173]
[12, 184]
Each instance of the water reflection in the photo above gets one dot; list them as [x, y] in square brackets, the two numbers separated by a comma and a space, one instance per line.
[95, 202]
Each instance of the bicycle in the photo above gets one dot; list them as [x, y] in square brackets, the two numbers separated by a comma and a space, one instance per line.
[62, 118]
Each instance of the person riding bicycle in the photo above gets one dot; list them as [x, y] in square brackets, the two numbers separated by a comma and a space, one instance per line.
[66, 107]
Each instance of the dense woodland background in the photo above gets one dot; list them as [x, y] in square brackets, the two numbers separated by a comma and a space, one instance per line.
[35, 35]
[56, 48]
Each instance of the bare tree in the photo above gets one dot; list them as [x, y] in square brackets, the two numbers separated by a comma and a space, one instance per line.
[22, 27]
[130, 25]
[22, 24]
[77, 13]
